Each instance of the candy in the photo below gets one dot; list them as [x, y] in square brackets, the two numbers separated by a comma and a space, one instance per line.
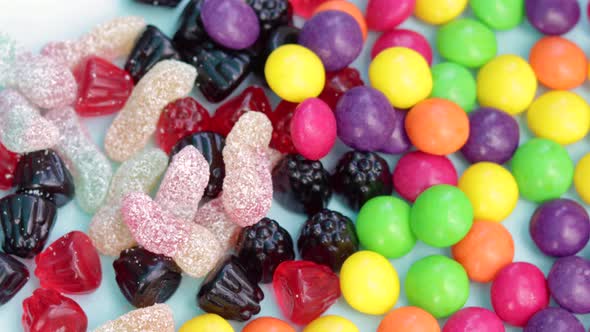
[253, 98]
[108, 232]
[13, 276]
[558, 63]
[158, 317]
[383, 226]
[8, 51]
[190, 28]
[267, 324]
[281, 35]
[403, 38]
[91, 170]
[439, 12]
[166, 3]
[281, 122]
[499, 15]
[582, 178]
[438, 285]
[8, 163]
[553, 320]
[48, 310]
[466, 42]
[369, 283]
[198, 251]
[337, 83]
[348, 8]
[212, 216]
[518, 292]
[330, 322]
[473, 319]
[398, 142]
[383, 15]
[206, 323]
[402, 75]
[507, 83]
[553, 17]
[231, 23]
[569, 284]
[313, 121]
[272, 14]
[408, 319]
[455, 83]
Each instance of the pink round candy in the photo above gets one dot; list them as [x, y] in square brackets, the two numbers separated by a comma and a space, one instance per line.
[313, 128]
[403, 38]
[518, 292]
[474, 319]
[417, 171]
[383, 15]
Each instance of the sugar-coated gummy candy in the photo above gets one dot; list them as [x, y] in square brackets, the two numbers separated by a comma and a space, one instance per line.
[554, 320]
[313, 129]
[455, 83]
[553, 17]
[403, 38]
[167, 81]
[439, 12]
[157, 318]
[8, 51]
[199, 251]
[253, 130]
[13, 276]
[267, 324]
[467, 42]
[190, 28]
[569, 284]
[109, 232]
[180, 119]
[48, 310]
[473, 319]
[212, 216]
[384, 15]
[230, 23]
[499, 15]
[207, 323]
[582, 178]
[409, 319]
[252, 98]
[330, 322]
[152, 47]
[346, 7]
[558, 63]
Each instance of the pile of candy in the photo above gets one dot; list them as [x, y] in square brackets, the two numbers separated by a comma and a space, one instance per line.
[217, 175]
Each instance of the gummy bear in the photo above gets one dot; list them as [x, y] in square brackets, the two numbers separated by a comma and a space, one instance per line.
[305, 8]
[70, 265]
[190, 32]
[213, 217]
[252, 98]
[13, 276]
[8, 163]
[157, 318]
[180, 118]
[281, 123]
[165, 3]
[337, 83]
[47, 310]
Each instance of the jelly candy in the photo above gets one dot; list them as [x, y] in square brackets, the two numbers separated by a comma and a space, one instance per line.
[281, 123]
[70, 265]
[337, 83]
[281, 35]
[228, 292]
[272, 14]
[252, 98]
[165, 3]
[262, 247]
[48, 310]
[103, 88]
[190, 32]
[145, 278]
[158, 318]
[8, 162]
[13, 276]
[92, 171]
[178, 119]
[43, 173]
[230, 23]
[305, 8]
[199, 251]
[7, 56]
[305, 290]
[168, 80]
[213, 217]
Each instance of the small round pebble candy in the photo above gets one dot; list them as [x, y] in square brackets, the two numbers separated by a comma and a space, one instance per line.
[330, 323]
[466, 42]
[295, 73]
[408, 319]
[267, 324]
[369, 283]
[558, 63]
[441, 216]
[439, 12]
[552, 17]
[383, 15]
[543, 170]
[554, 320]
[561, 116]
[437, 126]
[499, 14]
[582, 178]
[398, 142]
[438, 285]
[231, 23]
[206, 323]
[487, 248]
[474, 319]
[570, 285]
[493, 136]
[313, 129]
[383, 226]
[334, 36]
[518, 292]
[455, 83]
[403, 38]
[402, 75]
[417, 171]
[507, 83]
[347, 7]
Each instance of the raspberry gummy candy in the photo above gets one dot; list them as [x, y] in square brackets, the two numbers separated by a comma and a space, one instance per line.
[179, 119]
[253, 98]
[158, 318]
[281, 123]
[48, 310]
[337, 83]
[8, 162]
[13, 276]
[199, 251]
[305, 8]
[213, 217]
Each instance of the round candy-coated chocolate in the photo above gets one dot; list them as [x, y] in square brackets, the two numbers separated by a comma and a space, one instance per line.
[569, 283]
[553, 17]
[334, 36]
[554, 320]
[231, 23]
[467, 42]
[313, 129]
[499, 14]
[455, 83]
[398, 141]
[403, 38]
[474, 319]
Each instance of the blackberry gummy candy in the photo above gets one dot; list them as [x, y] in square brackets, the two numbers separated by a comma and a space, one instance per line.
[165, 3]
[13, 276]
[253, 98]
[272, 14]
[179, 119]
[554, 320]
[212, 216]
[158, 317]
[48, 310]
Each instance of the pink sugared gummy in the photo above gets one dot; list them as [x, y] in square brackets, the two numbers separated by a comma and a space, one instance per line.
[384, 15]
[474, 319]
[313, 129]
[403, 38]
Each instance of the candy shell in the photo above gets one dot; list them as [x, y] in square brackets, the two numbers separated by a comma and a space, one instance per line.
[383, 15]
[403, 38]
[582, 178]
[347, 7]
[330, 323]
[206, 323]
[569, 284]
[466, 41]
[558, 63]
[473, 319]
[552, 17]
[313, 129]
[408, 319]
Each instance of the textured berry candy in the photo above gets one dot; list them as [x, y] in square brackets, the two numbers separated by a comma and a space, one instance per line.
[271, 14]
[252, 98]
[8, 162]
[305, 8]
[167, 81]
[26, 222]
[103, 88]
[262, 247]
[47, 310]
[91, 169]
[337, 83]
[305, 290]
[213, 217]
[179, 119]
[228, 292]
[165, 3]
[145, 278]
[190, 31]
[157, 318]
[281, 123]
[199, 251]
[13, 276]
[43, 173]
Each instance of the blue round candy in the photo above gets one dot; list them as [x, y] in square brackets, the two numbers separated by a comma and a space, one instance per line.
[231, 23]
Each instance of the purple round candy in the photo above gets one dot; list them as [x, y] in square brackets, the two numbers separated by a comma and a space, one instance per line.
[553, 320]
[398, 141]
[334, 36]
[553, 17]
[560, 227]
[231, 23]
[493, 136]
[569, 284]
[364, 118]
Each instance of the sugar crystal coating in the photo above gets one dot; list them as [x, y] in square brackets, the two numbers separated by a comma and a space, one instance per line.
[108, 232]
[253, 130]
[7, 56]
[199, 251]
[213, 217]
[157, 318]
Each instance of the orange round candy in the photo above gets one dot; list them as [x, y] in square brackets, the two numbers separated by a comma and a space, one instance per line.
[347, 7]
[268, 324]
[437, 126]
[408, 319]
[485, 250]
[558, 63]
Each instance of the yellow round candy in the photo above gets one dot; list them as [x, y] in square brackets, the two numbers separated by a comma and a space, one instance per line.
[561, 116]
[369, 283]
[206, 323]
[402, 75]
[582, 178]
[491, 189]
[331, 324]
[439, 11]
[295, 73]
[507, 83]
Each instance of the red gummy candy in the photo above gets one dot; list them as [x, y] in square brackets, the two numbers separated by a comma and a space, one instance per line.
[8, 162]
[305, 8]
[49, 311]
[252, 98]
[70, 265]
[305, 290]
[103, 88]
[281, 127]
[179, 119]
[337, 83]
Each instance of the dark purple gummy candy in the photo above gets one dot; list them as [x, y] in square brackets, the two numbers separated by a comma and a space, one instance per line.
[190, 32]
[163, 3]
[13, 276]
[553, 17]
[272, 14]
[554, 320]
[569, 284]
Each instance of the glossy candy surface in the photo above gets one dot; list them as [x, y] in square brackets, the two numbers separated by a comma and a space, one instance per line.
[408, 319]
[553, 17]
[181, 118]
[403, 38]
[48, 310]
[231, 23]
[331, 322]
[252, 98]
[8, 164]
[383, 15]
[313, 121]
[267, 324]
[467, 42]
[455, 83]
[558, 63]
[305, 8]
[474, 319]
[13, 276]
[206, 323]
[152, 47]
[346, 7]
[553, 320]
[498, 14]
[337, 83]
[439, 12]
[568, 283]
[582, 178]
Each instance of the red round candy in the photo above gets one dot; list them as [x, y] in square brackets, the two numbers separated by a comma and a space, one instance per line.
[180, 118]
[403, 38]
[313, 129]
[383, 15]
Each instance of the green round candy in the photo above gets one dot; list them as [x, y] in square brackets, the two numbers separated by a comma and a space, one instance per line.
[438, 285]
[455, 83]
[543, 170]
[466, 42]
[383, 226]
[499, 14]
[441, 216]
